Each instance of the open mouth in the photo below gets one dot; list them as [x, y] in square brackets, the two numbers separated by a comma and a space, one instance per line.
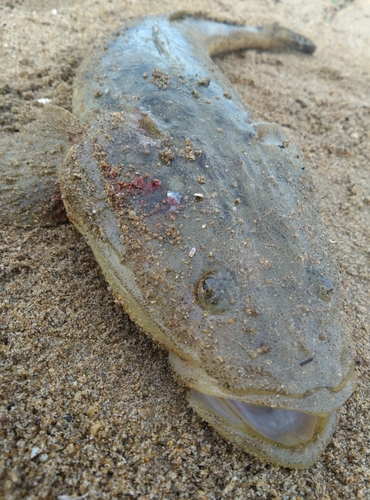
[286, 436]
[286, 427]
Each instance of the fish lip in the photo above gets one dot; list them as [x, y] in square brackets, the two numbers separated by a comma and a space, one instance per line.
[315, 400]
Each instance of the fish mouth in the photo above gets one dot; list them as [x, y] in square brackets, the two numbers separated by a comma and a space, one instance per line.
[281, 426]
[284, 434]
[284, 437]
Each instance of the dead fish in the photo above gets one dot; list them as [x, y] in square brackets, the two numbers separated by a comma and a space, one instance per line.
[204, 225]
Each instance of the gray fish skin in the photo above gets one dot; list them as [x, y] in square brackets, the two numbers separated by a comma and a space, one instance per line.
[204, 224]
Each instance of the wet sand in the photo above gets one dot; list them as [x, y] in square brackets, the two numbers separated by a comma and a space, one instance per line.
[89, 406]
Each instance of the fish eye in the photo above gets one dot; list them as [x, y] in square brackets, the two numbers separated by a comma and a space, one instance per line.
[325, 289]
[323, 285]
[209, 283]
[214, 291]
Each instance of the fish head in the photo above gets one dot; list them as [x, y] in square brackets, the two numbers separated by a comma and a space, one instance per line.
[219, 254]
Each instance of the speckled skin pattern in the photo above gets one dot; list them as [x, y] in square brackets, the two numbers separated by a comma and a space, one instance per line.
[204, 224]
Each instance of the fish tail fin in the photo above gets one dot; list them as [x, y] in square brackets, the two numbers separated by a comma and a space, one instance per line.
[220, 36]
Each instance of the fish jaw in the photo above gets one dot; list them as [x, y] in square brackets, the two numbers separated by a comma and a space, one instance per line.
[286, 427]
[287, 438]
[287, 430]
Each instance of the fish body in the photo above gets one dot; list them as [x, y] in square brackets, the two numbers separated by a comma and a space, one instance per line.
[204, 225]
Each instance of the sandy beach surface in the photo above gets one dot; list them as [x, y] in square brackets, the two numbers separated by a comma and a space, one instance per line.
[89, 406]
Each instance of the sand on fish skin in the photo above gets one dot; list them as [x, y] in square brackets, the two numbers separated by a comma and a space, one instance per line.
[89, 406]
